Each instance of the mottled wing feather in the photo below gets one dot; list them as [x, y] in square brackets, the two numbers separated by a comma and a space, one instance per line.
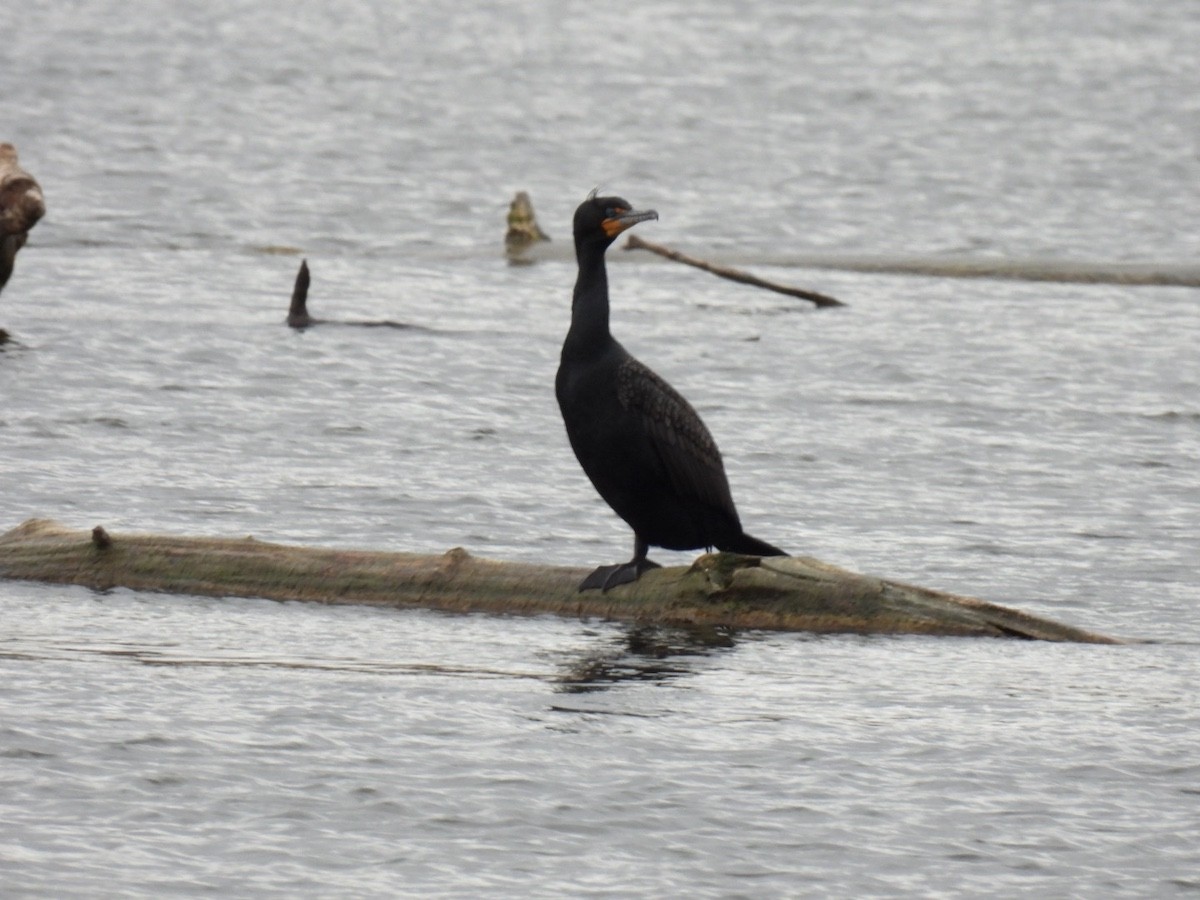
[683, 443]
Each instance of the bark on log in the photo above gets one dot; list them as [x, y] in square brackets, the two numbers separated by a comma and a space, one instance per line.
[719, 590]
[21, 205]
[636, 243]
[21, 202]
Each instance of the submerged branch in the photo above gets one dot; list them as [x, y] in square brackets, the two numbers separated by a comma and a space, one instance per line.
[636, 243]
[784, 594]
[1150, 274]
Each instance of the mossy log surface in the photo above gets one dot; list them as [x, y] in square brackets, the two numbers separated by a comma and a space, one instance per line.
[725, 590]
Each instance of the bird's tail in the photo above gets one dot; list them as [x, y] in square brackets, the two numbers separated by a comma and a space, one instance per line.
[744, 543]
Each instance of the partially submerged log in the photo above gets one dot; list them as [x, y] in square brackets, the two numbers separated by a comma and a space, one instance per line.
[523, 229]
[636, 243]
[719, 590]
[1133, 274]
[525, 236]
[299, 318]
[21, 205]
[525, 243]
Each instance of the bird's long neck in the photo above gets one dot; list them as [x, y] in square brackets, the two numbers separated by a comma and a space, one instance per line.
[589, 306]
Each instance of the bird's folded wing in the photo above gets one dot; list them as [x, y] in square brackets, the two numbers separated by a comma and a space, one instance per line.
[683, 443]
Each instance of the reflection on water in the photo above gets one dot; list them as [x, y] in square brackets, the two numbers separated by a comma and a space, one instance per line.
[258, 745]
[175, 659]
[619, 654]
[650, 653]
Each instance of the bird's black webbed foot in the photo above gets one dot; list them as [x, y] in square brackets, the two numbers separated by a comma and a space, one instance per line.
[607, 577]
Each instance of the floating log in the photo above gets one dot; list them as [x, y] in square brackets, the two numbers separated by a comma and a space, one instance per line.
[718, 590]
[21, 205]
[636, 243]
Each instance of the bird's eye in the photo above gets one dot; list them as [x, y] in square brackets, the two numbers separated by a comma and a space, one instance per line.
[609, 212]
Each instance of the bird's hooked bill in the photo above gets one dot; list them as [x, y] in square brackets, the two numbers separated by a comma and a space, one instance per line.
[614, 225]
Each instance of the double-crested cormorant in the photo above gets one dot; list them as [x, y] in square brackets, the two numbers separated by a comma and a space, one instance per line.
[643, 446]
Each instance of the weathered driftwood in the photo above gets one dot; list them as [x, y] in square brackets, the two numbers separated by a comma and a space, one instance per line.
[526, 243]
[21, 205]
[1168, 274]
[636, 243]
[524, 239]
[299, 318]
[523, 229]
[725, 590]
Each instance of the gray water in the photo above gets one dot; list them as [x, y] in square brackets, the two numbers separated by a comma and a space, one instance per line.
[1037, 445]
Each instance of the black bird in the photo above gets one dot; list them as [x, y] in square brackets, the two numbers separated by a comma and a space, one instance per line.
[640, 442]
